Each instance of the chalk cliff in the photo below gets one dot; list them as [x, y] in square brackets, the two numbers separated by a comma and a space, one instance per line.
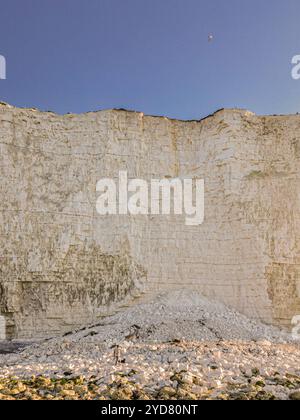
[62, 265]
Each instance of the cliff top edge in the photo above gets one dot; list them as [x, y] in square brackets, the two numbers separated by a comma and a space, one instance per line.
[240, 111]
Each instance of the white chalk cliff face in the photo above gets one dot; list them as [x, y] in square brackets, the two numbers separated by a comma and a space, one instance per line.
[62, 265]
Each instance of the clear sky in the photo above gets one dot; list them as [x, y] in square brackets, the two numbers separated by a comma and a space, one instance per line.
[151, 55]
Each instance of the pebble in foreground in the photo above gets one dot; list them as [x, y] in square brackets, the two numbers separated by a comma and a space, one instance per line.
[180, 346]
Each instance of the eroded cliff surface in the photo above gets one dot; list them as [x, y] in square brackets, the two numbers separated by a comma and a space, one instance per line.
[62, 265]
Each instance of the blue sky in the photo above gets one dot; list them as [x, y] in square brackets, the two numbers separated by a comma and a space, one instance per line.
[151, 55]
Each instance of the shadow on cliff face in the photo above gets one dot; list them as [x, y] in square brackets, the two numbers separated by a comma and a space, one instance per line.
[283, 292]
[86, 284]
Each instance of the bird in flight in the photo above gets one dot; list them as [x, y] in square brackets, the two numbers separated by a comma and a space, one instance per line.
[210, 37]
